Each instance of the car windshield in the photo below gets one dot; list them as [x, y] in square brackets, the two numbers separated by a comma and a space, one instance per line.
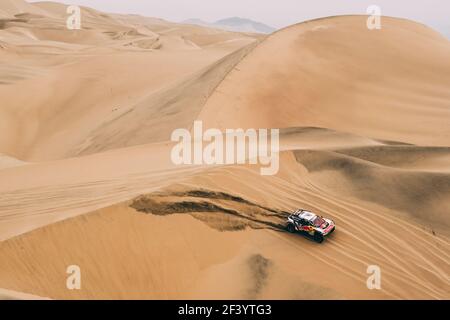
[318, 221]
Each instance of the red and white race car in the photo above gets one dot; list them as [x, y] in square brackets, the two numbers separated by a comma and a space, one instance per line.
[311, 224]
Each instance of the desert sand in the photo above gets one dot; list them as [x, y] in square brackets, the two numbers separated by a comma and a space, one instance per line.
[86, 176]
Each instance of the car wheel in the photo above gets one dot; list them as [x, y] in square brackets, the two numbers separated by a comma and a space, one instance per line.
[291, 228]
[318, 237]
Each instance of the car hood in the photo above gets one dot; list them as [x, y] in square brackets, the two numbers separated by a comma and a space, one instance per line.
[326, 226]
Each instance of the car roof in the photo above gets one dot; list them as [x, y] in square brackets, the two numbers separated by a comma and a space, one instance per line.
[307, 215]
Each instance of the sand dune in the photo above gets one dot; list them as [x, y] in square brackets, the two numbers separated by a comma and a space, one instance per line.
[86, 176]
[77, 93]
[155, 117]
[10, 8]
[335, 73]
[242, 260]
[222, 204]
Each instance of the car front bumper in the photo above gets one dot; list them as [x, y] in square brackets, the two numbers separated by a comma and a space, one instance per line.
[329, 230]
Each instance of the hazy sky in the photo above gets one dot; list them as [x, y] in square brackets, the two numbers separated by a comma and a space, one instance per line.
[277, 13]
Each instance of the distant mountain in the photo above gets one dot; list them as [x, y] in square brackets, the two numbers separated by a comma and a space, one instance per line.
[198, 22]
[234, 24]
[244, 25]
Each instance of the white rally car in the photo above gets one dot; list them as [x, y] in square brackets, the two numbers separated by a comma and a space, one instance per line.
[310, 224]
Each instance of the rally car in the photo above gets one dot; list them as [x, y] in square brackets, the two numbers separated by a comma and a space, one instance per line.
[310, 224]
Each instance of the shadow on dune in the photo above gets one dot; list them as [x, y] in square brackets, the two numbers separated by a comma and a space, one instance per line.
[6, 23]
[397, 155]
[422, 195]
